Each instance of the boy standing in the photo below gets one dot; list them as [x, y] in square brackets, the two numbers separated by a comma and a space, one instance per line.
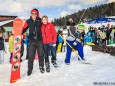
[49, 36]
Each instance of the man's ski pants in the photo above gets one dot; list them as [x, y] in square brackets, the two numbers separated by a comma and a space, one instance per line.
[33, 47]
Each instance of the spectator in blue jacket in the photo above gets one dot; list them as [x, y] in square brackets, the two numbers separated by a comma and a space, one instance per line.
[88, 38]
[26, 41]
[60, 42]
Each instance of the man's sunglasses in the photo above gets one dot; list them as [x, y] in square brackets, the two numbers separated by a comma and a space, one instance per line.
[34, 13]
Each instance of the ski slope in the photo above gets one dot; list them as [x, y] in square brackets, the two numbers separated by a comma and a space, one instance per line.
[76, 74]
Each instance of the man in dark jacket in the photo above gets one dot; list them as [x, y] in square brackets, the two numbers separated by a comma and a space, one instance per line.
[35, 40]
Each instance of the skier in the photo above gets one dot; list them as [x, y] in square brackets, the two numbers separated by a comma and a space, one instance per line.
[2, 48]
[10, 42]
[73, 41]
[49, 42]
[35, 40]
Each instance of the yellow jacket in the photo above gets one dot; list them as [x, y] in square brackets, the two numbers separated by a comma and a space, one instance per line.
[102, 35]
[10, 42]
[113, 30]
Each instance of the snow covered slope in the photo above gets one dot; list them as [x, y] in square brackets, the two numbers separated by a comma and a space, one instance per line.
[76, 74]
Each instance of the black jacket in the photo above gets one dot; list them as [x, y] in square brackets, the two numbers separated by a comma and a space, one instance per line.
[2, 43]
[34, 29]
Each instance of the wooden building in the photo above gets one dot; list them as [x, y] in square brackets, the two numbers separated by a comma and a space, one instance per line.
[5, 18]
[7, 23]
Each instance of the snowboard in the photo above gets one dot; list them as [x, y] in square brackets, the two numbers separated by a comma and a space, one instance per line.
[17, 33]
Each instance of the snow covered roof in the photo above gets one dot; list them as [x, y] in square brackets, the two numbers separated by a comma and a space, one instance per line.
[5, 22]
[111, 17]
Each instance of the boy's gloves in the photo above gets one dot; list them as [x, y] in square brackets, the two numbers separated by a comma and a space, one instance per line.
[75, 43]
[52, 44]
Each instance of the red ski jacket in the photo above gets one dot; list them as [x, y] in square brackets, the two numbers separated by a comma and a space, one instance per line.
[49, 34]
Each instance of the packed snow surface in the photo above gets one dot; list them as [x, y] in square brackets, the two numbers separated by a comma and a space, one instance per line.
[102, 69]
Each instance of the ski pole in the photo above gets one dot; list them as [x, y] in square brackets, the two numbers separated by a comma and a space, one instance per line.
[71, 47]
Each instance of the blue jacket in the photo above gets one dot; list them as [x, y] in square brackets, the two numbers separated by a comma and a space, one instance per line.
[60, 40]
[91, 33]
[26, 41]
[87, 39]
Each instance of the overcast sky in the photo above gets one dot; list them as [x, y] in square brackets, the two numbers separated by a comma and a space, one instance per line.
[52, 8]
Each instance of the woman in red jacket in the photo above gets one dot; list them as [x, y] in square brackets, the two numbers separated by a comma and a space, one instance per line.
[49, 37]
